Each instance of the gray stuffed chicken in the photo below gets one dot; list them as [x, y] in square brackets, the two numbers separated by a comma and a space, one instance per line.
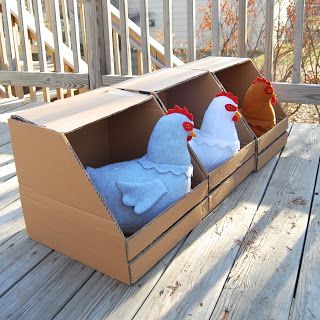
[138, 190]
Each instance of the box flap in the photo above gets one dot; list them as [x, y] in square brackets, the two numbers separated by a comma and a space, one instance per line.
[73, 113]
[214, 64]
[159, 80]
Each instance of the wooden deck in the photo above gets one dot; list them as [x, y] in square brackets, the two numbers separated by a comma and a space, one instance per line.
[256, 256]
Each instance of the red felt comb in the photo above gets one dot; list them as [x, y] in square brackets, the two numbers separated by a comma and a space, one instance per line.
[180, 110]
[261, 79]
[228, 95]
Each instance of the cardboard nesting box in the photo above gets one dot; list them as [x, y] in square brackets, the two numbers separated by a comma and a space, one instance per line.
[236, 75]
[195, 89]
[53, 144]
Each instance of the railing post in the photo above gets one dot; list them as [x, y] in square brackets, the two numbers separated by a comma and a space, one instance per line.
[268, 52]
[107, 23]
[94, 42]
[145, 45]
[126, 66]
[242, 31]
[167, 26]
[191, 27]
[298, 41]
[215, 26]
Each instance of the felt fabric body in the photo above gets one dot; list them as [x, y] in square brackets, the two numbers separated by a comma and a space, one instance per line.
[138, 190]
[217, 140]
[257, 108]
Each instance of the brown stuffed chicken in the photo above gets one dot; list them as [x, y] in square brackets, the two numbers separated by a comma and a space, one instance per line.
[257, 107]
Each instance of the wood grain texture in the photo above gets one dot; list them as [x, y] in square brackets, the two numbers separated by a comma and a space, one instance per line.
[215, 5]
[116, 51]
[8, 33]
[191, 30]
[306, 302]
[103, 297]
[242, 28]
[93, 43]
[25, 44]
[18, 89]
[297, 93]
[204, 261]
[262, 281]
[18, 256]
[57, 37]
[268, 50]
[39, 28]
[298, 41]
[126, 67]
[83, 29]
[167, 27]
[74, 33]
[45, 289]
[8, 170]
[9, 192]
[40, 35]
[66, 24]
[145, 43]
[46, 79]
[107, 23]
[11, 220]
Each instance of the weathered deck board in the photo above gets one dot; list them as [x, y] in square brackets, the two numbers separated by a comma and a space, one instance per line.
[45, 289]
[11, 221]
[103, 297]
[261, 283]
[306, 302]
[7, 165]
[207, 256]
[8, 170]
[14, 265]
[5, 154]
[9, 192]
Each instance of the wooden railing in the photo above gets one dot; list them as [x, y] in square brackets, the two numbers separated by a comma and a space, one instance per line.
[73, 45]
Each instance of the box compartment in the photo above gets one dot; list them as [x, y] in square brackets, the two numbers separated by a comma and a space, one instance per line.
[52, 145]
[236, 75]
[195, 89]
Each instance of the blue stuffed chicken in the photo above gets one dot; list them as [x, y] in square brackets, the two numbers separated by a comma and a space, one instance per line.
[217, 139]
[136, 191]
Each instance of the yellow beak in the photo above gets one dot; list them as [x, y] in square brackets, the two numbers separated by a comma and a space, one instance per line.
[193, 134]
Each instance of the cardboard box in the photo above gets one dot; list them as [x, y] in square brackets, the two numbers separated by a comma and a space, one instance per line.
[195, 89]
[236, 75]
[52, 145]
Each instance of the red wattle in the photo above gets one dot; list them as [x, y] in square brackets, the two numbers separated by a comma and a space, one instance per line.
[189, 138]
[235, 118]
[273, 100]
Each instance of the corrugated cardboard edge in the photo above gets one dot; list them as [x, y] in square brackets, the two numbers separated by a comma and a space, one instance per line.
[148, 258]
[228, 185]
[271, 151]
[217, 63]
[138, 85]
